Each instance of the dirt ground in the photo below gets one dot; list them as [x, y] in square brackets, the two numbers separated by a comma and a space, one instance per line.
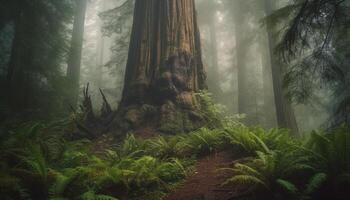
[206, 182]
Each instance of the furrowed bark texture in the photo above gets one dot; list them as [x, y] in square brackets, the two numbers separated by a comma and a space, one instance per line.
[164, 68]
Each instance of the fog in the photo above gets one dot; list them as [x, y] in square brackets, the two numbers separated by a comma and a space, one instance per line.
[175, 99]
[235, 54]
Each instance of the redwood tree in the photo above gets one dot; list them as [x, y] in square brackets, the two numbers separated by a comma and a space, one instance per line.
[164, 68]
[284, 110]
[74, 59]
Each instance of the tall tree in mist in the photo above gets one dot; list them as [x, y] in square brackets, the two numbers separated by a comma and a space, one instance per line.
[100, 60]
[270, 118]
[164, 68]
[100, 51]
[74, 60]
[38, 45]
[284, 110]
[241, 17]
[208, 20]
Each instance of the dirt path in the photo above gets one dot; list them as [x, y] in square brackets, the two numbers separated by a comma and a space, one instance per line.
[205, 183]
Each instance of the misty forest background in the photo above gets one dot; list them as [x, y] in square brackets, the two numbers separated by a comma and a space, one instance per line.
[236, 52]
[79, 69]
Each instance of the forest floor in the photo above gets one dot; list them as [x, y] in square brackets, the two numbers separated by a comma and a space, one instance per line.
[206, 181]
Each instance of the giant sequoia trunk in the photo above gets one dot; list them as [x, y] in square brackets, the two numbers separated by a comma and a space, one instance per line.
[284, 110]
[74, 60]
[164, 68]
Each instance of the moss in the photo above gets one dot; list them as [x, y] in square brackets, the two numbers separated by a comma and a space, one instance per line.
[174, 119]
[171, 119]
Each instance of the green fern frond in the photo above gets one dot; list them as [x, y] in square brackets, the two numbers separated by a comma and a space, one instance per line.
[246, 170]
[91, 195]
[287, 186]
[245, 180]
[261, 143]
[315, 182]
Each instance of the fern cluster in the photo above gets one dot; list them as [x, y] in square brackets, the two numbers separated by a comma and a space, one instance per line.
[282, 167]
[37, 161]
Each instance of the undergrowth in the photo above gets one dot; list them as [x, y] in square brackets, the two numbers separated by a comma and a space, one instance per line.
[37, 161]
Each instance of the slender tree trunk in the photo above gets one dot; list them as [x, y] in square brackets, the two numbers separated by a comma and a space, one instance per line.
[284, 110]
[74, 60]
[17, 94]
[14, 51]
[100, 51]
[242, 47]
[164, 68]
[213, 69]
[213, 47]
[270, 120]
[100, 60]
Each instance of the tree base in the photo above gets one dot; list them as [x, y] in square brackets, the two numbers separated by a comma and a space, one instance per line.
[165, 119]
[166, 103]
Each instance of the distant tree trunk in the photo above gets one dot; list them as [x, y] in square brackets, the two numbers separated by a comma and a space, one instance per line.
[74, 60]
[270, 120]
[213, 68]
[242, 47]
[15, 50]
[164, 68]
[21, 56]
[284, 110]
[100, 60]
[100, 50]
[14, 66]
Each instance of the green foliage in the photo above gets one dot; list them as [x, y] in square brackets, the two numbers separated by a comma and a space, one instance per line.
[270, 173]
[90, 195]
[315, 183]
[315, 45]
[331, 157]
[38, 50]
[212, 112]
[163, 147]
[243, 139]
[34, 158]
[289, 169]
[274, 165]
[202, 141]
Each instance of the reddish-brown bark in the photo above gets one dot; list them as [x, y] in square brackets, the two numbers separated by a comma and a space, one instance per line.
[164, 68]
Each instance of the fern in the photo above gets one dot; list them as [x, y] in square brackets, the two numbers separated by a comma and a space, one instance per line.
[245, 180]
[131, 147]
[315, 182]
[212, 112]
[36, 162]
[59, 188]
[288, 186]
[163, 147]
[202, 141]
[245, 169]
[91, 195]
